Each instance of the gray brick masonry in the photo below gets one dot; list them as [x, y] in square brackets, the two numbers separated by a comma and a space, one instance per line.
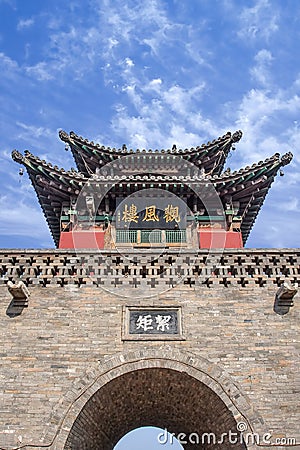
[70, 381]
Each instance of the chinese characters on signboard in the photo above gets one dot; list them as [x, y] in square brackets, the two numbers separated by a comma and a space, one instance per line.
[145, 213]
[153, 322]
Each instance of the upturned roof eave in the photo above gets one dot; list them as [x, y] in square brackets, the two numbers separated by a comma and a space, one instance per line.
[88, 155]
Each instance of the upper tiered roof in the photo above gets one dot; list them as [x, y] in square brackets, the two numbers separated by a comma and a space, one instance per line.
[247, 186]
[89, 156]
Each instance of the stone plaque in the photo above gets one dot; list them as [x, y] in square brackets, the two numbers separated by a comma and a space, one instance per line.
[152, 323]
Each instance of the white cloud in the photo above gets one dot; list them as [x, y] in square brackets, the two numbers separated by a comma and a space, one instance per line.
[293, 137]
[277, 214]
[155, 82]
[42, 141]
[137, 131]
[181, 100]
[261, 71]
[267, 119]
[162, 119]
[7, 64]
[121, 19]
[261, 112]
[197, 53]
[25, 23]
[112, 43]
[162, 36]
[129, 62]
[42, 71]
[207, 128]
[291, 204]
[79, 49]
[259, 21]
[33, 131]
[17, 218]
[181, 137]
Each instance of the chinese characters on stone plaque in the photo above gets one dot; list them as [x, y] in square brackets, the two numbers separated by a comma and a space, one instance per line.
[143, 213]
[153, 322]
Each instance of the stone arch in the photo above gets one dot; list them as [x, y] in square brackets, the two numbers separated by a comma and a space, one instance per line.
[123, 379]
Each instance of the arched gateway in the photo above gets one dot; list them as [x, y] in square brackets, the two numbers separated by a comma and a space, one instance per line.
[186, 395]
[156, 397]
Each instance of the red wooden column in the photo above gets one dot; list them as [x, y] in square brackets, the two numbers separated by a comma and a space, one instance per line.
[82, 239]
[212, 238]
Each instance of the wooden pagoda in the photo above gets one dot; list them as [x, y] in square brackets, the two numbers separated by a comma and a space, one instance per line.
[169, 198]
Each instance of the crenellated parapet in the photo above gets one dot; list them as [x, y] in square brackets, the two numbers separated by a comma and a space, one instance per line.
[110, 269]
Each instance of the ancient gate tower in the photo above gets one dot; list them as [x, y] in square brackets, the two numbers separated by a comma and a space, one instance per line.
[150, 311]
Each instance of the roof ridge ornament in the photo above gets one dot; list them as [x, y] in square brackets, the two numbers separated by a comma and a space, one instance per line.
[237, 136]
[17, 156]
[63, 135]
[286, 158]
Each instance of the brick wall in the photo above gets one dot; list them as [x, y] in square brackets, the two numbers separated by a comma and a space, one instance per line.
[58, 352]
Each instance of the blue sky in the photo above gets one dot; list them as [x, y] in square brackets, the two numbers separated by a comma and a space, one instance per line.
[149, 74]
[154, 439]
